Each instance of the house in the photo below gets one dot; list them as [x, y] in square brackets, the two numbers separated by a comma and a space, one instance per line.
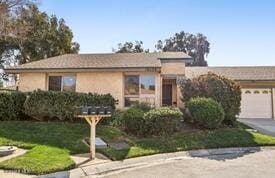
[128, 77]
[144, 77]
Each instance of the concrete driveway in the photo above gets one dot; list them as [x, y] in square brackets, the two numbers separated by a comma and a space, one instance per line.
[266, 126]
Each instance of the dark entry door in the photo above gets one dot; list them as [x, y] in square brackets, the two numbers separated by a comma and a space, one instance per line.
[167, 94]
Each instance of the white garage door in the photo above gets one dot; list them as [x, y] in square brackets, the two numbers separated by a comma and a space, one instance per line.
[256, 103]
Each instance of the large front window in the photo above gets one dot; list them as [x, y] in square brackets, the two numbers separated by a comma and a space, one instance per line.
[62, 83]
[139, 88]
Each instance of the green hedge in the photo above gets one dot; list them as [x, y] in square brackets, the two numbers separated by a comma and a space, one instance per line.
[133, 122]
[11, 105]
[162, 121]
[155, 122]
[52, 105]
[206, 112]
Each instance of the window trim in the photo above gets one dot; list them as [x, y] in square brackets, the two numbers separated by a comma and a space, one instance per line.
[140, 95]
[62, 76]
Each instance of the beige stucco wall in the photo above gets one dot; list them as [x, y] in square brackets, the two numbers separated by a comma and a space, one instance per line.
[32, 81]
[172, 68]
[101, 83]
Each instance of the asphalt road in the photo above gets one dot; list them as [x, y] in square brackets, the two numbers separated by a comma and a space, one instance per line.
[260, 164]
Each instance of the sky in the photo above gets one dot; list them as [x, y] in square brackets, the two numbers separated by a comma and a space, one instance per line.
[240, 32]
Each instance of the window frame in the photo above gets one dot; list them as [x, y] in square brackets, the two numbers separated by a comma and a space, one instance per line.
[62, 78]
[140, 95]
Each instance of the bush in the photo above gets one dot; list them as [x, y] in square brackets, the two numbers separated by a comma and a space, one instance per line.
[117, 118]
[223, 90]
[133, 121]
[11, 105]
[162, 121]
[206, 112]
[143, 106]
[49, 105]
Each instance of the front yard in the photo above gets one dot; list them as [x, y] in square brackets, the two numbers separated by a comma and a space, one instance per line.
[51, 143]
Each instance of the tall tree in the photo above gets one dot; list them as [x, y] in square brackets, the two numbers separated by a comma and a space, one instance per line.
[8, 14]
[46, 37]
[196, 46]
[31, 35]
[131, 47]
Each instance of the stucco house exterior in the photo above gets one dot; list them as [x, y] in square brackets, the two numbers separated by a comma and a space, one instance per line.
[145, 77]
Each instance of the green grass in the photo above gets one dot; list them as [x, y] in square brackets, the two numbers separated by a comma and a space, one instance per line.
[221, 138]
[50, 144]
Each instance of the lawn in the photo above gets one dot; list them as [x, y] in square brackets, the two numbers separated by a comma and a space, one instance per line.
[51, 143]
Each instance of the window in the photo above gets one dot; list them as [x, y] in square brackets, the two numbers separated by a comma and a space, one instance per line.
[55, 83]
[62, 83]
[69, 83]
[132, 85]
[247, 92]
[139, 88]
[147, 84]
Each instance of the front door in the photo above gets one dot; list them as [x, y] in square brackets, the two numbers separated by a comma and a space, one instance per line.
[167, 94]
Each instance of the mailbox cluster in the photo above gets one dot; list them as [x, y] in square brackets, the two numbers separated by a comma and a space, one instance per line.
[96, 110]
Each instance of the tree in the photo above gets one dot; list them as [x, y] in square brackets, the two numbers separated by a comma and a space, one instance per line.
[131, 47]
[46, 36]
[196, 46]
[8, 13]
[34, 36]
[1, 84]
[225, 91]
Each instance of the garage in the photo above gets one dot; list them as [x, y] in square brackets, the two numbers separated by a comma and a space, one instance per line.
[256, 103]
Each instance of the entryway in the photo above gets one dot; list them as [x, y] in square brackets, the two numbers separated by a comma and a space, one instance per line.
[169, 92]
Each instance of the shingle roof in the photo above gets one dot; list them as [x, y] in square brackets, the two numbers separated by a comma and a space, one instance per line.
[235, 73]
[98, 61]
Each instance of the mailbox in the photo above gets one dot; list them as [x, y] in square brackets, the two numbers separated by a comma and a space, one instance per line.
[108, 110]
[92, 111]
[85, 110]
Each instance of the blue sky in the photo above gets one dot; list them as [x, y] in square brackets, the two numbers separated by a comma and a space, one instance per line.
[241, 32]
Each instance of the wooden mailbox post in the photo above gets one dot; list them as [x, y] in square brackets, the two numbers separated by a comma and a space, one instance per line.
[93, 120]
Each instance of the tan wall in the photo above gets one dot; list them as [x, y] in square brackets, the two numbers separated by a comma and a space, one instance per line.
[101, 83]
[32, 81]
[172, 68]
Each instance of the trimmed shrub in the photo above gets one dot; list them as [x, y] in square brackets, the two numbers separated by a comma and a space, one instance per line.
[133, 122]
[143, 106]
[50, 105]
[221, 89]
[206, 112]
[162, 121]
[117, 118]
[11, 105]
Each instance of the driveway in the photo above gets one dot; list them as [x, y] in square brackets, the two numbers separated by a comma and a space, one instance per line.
[266, 126]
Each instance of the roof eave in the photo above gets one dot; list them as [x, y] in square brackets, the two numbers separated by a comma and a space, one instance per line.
[36, 70]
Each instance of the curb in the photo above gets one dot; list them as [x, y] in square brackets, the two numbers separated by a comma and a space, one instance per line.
[146, 161]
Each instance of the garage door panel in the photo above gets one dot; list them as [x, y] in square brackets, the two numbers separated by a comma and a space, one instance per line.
[256, 103]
